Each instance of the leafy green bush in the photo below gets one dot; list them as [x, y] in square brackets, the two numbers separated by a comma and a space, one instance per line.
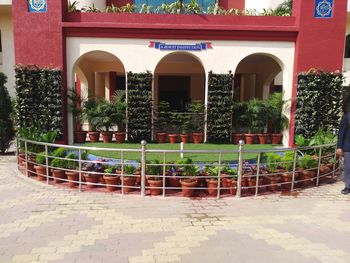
[6, 125]
[129, 169]
[59, 152]
[72, 164]
[273, 161]
[59, 163]
[307, 162]
[41, 158]
[154, 168]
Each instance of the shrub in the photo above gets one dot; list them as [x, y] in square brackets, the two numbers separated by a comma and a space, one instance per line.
[6, 125]
[41, 158]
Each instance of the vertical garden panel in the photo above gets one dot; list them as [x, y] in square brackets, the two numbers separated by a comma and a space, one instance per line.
[219, 115]
[318, 103]
[139, 107]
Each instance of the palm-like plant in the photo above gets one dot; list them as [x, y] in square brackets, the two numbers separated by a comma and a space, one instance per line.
[75, 106]
[90, 111]
[277, 119]
[256, 115]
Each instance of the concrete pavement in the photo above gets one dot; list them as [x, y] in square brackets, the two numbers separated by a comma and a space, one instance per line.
[42, 223]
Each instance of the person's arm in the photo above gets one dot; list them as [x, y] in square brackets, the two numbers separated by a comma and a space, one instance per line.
[341, 135]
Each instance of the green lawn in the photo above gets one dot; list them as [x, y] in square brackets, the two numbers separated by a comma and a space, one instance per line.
[170, 157]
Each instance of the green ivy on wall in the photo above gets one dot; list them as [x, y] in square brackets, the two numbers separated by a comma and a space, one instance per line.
[39, 98]
[318, 102]
[139, 106]
[219, 115]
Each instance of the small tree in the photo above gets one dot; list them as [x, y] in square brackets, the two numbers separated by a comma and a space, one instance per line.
[6, 124]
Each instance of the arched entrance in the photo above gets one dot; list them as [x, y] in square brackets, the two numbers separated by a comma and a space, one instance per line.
[179, 78]
[99, 74]
[257, 76]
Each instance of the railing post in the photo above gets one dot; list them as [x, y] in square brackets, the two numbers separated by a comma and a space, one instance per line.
[17, 152]
[335, 162]
[47, 164]
[240, 168]
[318, 167]
[26, 156]
[257, 174]
[164, 168]
[122, 175]
[219, 176]
[294, 166]
[79, 164]
[143, 167]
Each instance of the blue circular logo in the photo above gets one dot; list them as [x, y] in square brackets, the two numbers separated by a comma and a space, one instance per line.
[37, 5]
[324, 8]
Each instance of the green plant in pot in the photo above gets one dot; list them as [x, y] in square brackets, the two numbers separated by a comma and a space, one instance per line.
[287, 162]
[91, 113]
[238, 120]
[273, 165]
[129, 178]
[59, 165]
[308, 164]
[229, 179]
[212, 181]
[161, 121]
[256, 116]
[72, 165]
[154, 170]
[40, 166]
[197, 108]
[75, 106]
[93, 173]
[120, 115]
[276, 119]
[189, 182]
[112, 177]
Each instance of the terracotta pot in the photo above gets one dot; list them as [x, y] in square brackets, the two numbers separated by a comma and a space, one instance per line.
[107, 137]
[263, 138]
[31, 170]
[212, 187]
[59, 174]
[173, 138]
[174, 182]
[91, 180]
[252, 185]
[111, 182]
[161, 137]
[188, 187]
[197, 137]
[273, 181]
[119, 137]
[74, 177]
[184, 138]
[236, 137]
[129, 181]
[249, 138]
[286, 179]
[80, 136]
[155, 183]
[21, 159]
[40, 172]
[276, 138]
[306, 176]
[232, 184]
[94, 136]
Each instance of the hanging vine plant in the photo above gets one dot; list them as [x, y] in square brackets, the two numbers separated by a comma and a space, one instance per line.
[318, 103]
[39, 98]
[219, 117]
[139, 108]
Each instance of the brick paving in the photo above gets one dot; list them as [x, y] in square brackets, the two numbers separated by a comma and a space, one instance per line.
[44, 223]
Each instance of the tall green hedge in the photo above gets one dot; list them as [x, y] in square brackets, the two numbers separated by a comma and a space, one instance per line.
[318, 102]
[6, 124]
[39, 98]
[219, 115]
[139, 106]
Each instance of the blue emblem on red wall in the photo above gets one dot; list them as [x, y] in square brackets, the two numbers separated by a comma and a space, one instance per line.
[183, 47]
[37, 6]
[323, 8]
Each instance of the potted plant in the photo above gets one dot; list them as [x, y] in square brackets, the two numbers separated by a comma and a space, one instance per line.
[75, 106]
[277, 120]
[308, 164]
[212, 181]
[196, 108]
[129, 179]
[287, 165]
[238, 120]
[161, 123]
[273, 163]
[229, 179]
[174, 127]
[72, 174]
[189, 183]
[40, 166]
[58, 165]
[90, 111]
[112, 178]
[120, 115]
[154, 179]
[92, 173]
[256, 116]
[185, 123]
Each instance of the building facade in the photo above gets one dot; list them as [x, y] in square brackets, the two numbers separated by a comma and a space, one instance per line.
[95, 50]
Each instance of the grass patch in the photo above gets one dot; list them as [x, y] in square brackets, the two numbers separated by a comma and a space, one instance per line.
[171, 157]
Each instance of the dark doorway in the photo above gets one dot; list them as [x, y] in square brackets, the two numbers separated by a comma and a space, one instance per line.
[175, 90]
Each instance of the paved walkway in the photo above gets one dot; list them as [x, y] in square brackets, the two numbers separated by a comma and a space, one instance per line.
[40, 223]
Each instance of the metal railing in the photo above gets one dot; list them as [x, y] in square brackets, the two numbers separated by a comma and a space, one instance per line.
[250, 178]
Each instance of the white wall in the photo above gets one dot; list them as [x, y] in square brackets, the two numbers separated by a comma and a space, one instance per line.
[99, 4]
[259, 5]
[136, 56]
[8, 53]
